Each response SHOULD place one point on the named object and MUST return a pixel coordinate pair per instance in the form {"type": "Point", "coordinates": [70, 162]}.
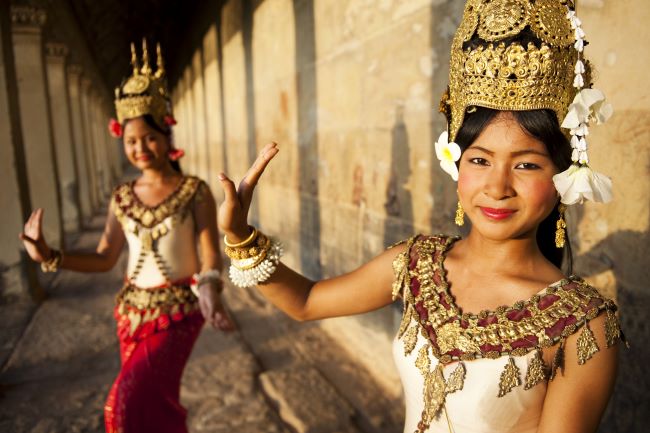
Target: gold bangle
{"type": "Point", "coordinates": [52, 264]}
{"type": "Point", "coordinates": [261, 243]}
{"type": "Point", "coordinates": [243, 243]}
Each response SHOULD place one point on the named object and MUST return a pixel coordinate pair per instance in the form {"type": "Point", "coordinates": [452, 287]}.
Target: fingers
{"type": "Point", "coordinates": [265, 156]}
{"type": "Point", "coordinates": [223, 322]}
{"type": "Point", "coordinates": [229, 189]}
{"type": "Point", "coordinates": [23, 237]}
{"type": "Point", "coordinates": [247, 185]}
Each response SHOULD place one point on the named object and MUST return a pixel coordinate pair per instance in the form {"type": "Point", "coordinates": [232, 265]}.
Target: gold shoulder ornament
{"type": "Point", "coordinates": [451, 336]}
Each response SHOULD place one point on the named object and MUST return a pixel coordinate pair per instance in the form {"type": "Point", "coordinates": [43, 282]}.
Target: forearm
{"type": "Point", "coordinates": [87, 262]}
{"type": "Point", "coordinates": [289, 291]}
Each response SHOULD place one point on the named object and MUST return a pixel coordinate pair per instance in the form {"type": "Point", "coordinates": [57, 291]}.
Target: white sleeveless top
{"type": "Point", "coordinates": [476, 409]}
{"type": "Point", "coordinates": [161, 239]}
{"type": "Point", "coordinates": [467, 373]}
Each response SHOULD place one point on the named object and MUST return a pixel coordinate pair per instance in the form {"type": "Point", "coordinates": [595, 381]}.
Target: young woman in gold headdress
{"type": "Point", "coordinates": [163, 216]}
{"type": "Point", "coordinates": [494, 336]}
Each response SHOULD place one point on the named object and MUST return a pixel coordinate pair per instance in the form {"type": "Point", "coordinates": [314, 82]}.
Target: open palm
{"type": "Point", "coordinates": [233, 212]}
{"type": "Point", "coordinates": [32, 237]}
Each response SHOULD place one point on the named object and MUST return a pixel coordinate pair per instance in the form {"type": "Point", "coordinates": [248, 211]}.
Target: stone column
{"type": "Point", "coordinates": [200, 143]}
{"type": "Point", "coordinates": [93, 173]}
{"type": "Point", "coordinates": [100, 147]}
{"type": "Point", "coordinates": [63, 136]}
{"type": "Point", "coordinates": [17, 273]}
{"type": "Point", "coordinates": [190, 136]}
{"type": "Point", "coordinates": [81, 149]}
{"type": "Point", "coordinates": [35, 118]}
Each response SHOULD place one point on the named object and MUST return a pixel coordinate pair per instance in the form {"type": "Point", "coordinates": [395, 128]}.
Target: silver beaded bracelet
{"type": "Point", "coordinates": [259, 273]}
{"type": "Point", "coordinates": [212, 275]}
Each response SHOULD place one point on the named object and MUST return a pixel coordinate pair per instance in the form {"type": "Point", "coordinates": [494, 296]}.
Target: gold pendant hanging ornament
{"type": "Point", "coordinates": [536, 371]}
{"type": "Point", "coordinates": [509, 378]}
{"type": "Point", "coordinates": [560, 227]}
{"type": "Point", "coordinates": [460, 215]}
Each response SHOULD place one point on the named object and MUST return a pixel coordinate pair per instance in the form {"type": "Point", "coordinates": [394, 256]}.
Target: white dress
{"type": "Point", "coordinates": [466, 373]}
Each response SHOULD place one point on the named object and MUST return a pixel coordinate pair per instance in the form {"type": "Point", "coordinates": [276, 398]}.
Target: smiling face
{"type": "Point", "coordinates": [145, 147]}
{"type": "Point", "coordinates": [505, 181]}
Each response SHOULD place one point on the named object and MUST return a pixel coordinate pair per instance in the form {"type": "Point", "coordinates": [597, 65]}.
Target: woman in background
{"type": "Point", "coordinates": [163, 216]}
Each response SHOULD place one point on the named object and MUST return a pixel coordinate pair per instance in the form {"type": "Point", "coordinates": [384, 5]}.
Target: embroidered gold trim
{"type": "Point", "coordinates": [126, 205]}
{"type": "Point", "coordinates": [544, 320]}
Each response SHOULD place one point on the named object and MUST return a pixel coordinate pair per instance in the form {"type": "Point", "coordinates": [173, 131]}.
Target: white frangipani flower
{"type": "Point", "coordinates": [448, 153]}
{"type": "Point", "coordinates": [588, 104]}
{"type": "Point", "coordinates": [579, 183]}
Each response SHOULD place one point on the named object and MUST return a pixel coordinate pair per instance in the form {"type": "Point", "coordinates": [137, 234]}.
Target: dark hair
{"type": "Point", "coordinates": [167, 131]}
{"type": "Point", "coordinates": [544, 126]}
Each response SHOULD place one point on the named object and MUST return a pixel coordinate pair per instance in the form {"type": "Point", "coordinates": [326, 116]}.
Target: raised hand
{"type": "Point", "coordinates": [233, 212]}
{"type": "Point", "coordinates": [32, 237]}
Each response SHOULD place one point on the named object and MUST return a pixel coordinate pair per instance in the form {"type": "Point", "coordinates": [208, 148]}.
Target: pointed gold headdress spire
{"type": "Point", "coordinates": [134, 60]}
{"type": "Point", "coordinates": [160, 64]}
{"type": "Point", "coordinates": [146, 69]}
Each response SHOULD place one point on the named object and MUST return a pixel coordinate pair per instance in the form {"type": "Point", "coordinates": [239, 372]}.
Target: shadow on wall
{"type": "Point", "coordinates": [303, 12]}
{"type": "Point", "coordinates": [399, 203]}
{"type": "Point", "coordinates": [622, 253]}
{"type": "Point", "coordinates": [248, 8]}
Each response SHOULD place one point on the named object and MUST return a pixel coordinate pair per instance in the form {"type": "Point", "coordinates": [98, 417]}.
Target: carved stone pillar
{"type": "Point", "coordinates": [94, 175]}
{"type": "Point", "coordinates": [36, 126]}
{"type": "Point", "coordinates": [100, 145]}
{"type": "Point", "coordinates": [17, 272]}
{"type": "Point", "coordinates": [55, 60]}
{"type": "Point", "coordinates": [81, 146]}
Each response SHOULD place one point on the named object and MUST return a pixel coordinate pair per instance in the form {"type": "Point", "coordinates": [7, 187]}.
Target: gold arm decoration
{"type": "Point", "coordinates": [52, 264]}
{"type": "Point", "coordinates": [253, 260]}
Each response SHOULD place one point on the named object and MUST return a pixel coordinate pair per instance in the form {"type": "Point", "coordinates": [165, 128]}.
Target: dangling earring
{"type": "Point", "coordinates": [560, 227]}
{"type": "Point", "coordinates": [460, 215]}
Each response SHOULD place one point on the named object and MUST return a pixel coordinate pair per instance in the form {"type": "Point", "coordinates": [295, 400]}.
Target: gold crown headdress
{"type": "Point", "coordinates": [145, 91]}
{"type": "Point", "coordinates": [502, 75]}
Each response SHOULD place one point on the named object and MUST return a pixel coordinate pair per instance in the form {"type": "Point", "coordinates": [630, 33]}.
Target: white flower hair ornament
{"type": "Point", "coordinates": [448, 153]}
{"type": "Point", "coordinates": [579, 182]}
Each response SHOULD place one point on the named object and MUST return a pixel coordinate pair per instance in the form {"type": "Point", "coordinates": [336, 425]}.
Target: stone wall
{"type": "Point", "coordinates": [350, 90]}
{"type": "Point", "coordinates": [55, 149]}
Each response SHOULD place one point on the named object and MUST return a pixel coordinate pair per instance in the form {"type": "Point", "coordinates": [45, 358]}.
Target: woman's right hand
{"type": "Point", "coordinates": [233, 212]}
{"type": "Point", "coordinates": [32, 237]}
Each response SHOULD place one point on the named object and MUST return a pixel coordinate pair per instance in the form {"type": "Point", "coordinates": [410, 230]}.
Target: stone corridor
{"type": "Point", "coordinates": [271, 375]}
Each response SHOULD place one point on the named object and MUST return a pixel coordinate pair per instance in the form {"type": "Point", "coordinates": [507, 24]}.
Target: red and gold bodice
{"type": "Point", "coordinates": [444, 344]}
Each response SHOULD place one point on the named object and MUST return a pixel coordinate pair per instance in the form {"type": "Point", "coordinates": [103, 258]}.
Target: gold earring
{"type": "Point", "coordinates": [460, 215]}
{"type": "Point", "coordinates": [560, 227]}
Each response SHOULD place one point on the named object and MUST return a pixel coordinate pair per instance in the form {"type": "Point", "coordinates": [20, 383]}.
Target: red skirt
{"type": "Point", "coordinates": [155, 343]}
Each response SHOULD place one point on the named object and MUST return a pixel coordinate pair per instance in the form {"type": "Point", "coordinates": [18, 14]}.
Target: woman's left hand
{"type": "Point", "coordinates": [212, 308]}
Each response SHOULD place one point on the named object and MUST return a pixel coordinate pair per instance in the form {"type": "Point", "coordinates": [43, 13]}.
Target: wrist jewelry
{"type": "Point", "coordinates": [258, 246]}
{"type": "Point", "coordinates": [210, 276]}
{"type": "Point", "coordinates": [254, 270]}
{"type": "Point", "coordinates": [249, 240]}
{"type": "Point", "coordinates": [52, 264]}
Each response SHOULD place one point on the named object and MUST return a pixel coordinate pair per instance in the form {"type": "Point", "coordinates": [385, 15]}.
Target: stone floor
{"type": "Point", "coordinates": [271, 375]}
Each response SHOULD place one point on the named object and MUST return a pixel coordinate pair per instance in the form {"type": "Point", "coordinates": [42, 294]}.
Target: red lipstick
{"type": "Point", "coordinates": [497, 214]}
